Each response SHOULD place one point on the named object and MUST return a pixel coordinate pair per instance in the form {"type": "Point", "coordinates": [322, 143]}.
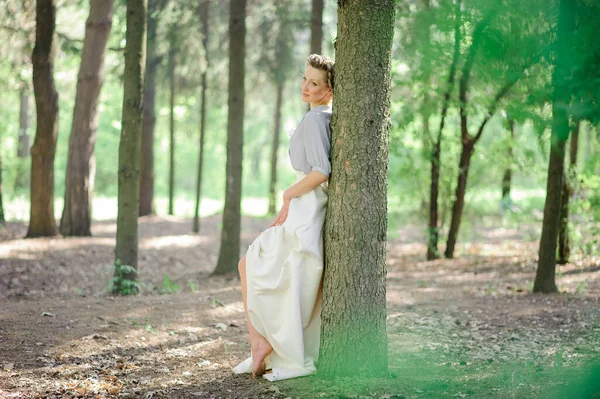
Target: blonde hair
{"type": "Point", "coordinates": [323, 63]}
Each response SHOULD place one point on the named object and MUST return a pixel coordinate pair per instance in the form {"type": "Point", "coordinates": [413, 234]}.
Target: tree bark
{"type": "Point", "coordinates": [230, 232]}
{"type": "Point", "coordinates": [42, 222]}
{"type": "Point", "coordinates": [316, 27]}
{"type": "Point", "coordinates": [149, 115]}
{"type": "Point", "coordinates": [564, 245]}
{"type": "Point", "coordinates": [79, 183]}
{"type": "Point", "coordinates": [23, 149]}
{"type": "Point", "coordinates": [432, 244]}
{"type": "Point", "coordinates": [171, 72]}
{"type": "Point", "coordinates": [126, 251]}
{"type": "Point", "coordinates": [205, 8]}
{"type": "Point", "coordinates": [507, 177]}
{"type": "Point", "coordinates": [353, 333]}
{"type": "Point", "coordinates": [275, 149]}
{"type": "Point", "coordinates": [2, 218]}
{"type": "Point", "coordinates": [545, 277]}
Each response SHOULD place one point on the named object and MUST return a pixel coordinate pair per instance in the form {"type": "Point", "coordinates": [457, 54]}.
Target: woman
{"type": "Point", "coordinates": [281, 272]}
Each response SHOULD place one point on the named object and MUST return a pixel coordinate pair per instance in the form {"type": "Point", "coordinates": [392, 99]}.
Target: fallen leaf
{"type": "Point", "coordinates": [48, 314]}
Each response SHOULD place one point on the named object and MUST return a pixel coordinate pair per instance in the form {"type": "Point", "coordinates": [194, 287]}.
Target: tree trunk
{"type": "Point", "coordinates": [42, 222]}
{"type": "Point", "coordinates": [149, 114]}
{"type": "Point", "coordinates": [171, 72]}
{"type": "Point", "coordinates": [507, 177]}
{"type": "Point", "coordinates": [79, 182]}
{"type": "Point", "coordinates": [275, 149]}
{"type": "Point", "coordinates": [23, 149]}
{"type": "Point", "coordinates": [2, 218]}
{"type": "Point", "coordinates": [353, 333]}
{"type": "Point", "coordinates": [564, 245]}
{"type": "Point", "coordinates": [204, 21]}
{"type": "Point", "coordinates": [230, 233]}
{"type": "Point", "coordinates": [126, 251]}
{"type": "Point", "coordinates": [459, 202]}
{"type": "Point", "coordinates": [316, 27]}
{"type": "Point", "coordinates": [432, 244]}
{"type": "Point", "coordinates": [545, 277]}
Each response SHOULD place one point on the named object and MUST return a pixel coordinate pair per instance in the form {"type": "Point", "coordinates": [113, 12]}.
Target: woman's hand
{"type": "Point", "coordinates": [282, 215]}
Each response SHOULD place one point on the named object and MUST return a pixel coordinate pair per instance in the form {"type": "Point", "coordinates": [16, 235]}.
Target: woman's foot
{"type": "Point", "coordinates": [260, 350]}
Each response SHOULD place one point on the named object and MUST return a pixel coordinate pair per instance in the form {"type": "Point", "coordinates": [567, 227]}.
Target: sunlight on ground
{"type": "Point", "coordinates": [179, 241]}
{"type": "Point", "coordinates": [105, 208]}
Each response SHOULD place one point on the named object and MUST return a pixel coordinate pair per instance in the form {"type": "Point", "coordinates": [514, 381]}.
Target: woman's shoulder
{"type": "Point", "coordinates": [322, 112]}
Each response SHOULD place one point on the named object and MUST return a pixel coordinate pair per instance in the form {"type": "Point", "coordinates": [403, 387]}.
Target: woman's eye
{"type": "Point", "coordinates": [314, 84]}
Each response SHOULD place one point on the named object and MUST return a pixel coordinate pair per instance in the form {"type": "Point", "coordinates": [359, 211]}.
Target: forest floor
{"type": "Point", "coordinates": [465, 327]}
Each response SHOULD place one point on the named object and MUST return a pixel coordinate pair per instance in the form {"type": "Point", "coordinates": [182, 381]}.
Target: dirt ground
{"type": "Point", "coordinates": [62, 335]}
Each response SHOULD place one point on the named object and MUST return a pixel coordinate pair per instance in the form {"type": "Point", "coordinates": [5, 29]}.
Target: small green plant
{"type": "Point", "coordinates": [192, 286]}
{"type": "Point", "coordinates": [490, 289]}
{"type": "Point", "coordinates": [148, 327]}
{"type": "Point", "coordinates": [120, 284]}
{"type": "Point", "coordinates": [581, 287]}
{"type": "Point", "coordinates": [170, 287]}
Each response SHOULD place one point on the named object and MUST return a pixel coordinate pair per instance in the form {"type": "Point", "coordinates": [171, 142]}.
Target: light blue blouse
{"type": "Point", "coordinates": [310, 143]}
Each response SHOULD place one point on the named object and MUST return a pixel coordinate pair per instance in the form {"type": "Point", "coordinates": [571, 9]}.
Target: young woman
{"type": "Point", "coordinates": [281, 272]}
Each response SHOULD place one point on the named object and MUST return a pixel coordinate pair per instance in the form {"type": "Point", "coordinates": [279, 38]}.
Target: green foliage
{"type": "Point", "coordinates": [120, 284]}
{"type": "Point", "coordinates": [169, 287]}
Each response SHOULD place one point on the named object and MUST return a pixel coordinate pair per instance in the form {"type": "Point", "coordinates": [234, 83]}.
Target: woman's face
{"type": "Point", "coordinates": [315, 90]}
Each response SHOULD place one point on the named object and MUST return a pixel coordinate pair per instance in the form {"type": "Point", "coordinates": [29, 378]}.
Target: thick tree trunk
{"type": "Point", "coordinates": [545, 277]}
{"type": "Point", "coordinates": [316, 27]}
{"type": "Point", "coordinates": [149, 114]}
{"type": "Point", "coordinates": [171, 72]}
{"type": "Point", "coordinates": [507, 177]}
{"type": "Point", "coordinates": [2, 218]}
{"type": "Point", "coordinates": [353, 333]}
{"type": "Point", "coordinates": [42, 222]}
{"type": "Point", "coordinates": [230, 233]}
{"type": "Point", "coordinates": [126, 251]}
{"type": "Point", "coordinates": [459, 202]}
{"type": "Point", "coordinates": [23, 149]}
{"type": "Point", "coordinates": [275, 149]}
{"type": "Point", "coordinates": [79, 183]}
{"type": "Point", "coordinates": [564, 245]}
{"type": "Point", "coordinates": [204, 9]}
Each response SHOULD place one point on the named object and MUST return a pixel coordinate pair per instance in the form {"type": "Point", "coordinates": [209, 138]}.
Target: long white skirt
{"type": "Point", "coordinates": [284, 266]}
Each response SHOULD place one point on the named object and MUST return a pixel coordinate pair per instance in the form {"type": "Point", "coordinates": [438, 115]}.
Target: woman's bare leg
{"type": "Point", "coordinates": [260, 346]}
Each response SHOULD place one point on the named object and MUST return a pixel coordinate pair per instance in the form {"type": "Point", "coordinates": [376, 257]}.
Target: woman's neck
{"type": "Point", "coordinates": [315, 105]}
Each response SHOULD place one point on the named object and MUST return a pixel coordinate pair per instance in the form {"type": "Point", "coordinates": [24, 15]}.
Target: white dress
{"type": "Point", "coordinates": [284, 266]}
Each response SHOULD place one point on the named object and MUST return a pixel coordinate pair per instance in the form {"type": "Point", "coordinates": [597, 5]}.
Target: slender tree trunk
{"type": "Point", "coordinates": [545, 277]}
{"type": "Point", "coordinates": [275, 149]}
{"type": "Point", "coordinates": [205, 8]}
{"type": "Point", "coordinates": [230, 233]}
{"type": "Point", "coordinates": [316, 27]}
{"type": "Point", "coordinates": [507, 177]}
{"type": "Point", "coordinates": [149, 114]}
{"type": "Point", "coordinates": [353, 333]}
{"type": "Point", "coordinates": [126, 251]}
{"type": "Point", "coordinates": [171, 72]}
{"type": "Point", "coordinates": [42, 222]}
{"type": "Point", "coordinates": [79, 183]}
{"type": "Point", "coordinates": [459, 202]}
{"type": "Point", "coordinates": [432, 244]}
{"type": "Point", "coordinates": [23, 149]}
{"type": "Point", "coordinates": [564, 245]}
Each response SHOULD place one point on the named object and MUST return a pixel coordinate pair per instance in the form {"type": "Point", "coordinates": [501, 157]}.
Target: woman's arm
{"type": "Point", "coordinates": [308, 183]}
